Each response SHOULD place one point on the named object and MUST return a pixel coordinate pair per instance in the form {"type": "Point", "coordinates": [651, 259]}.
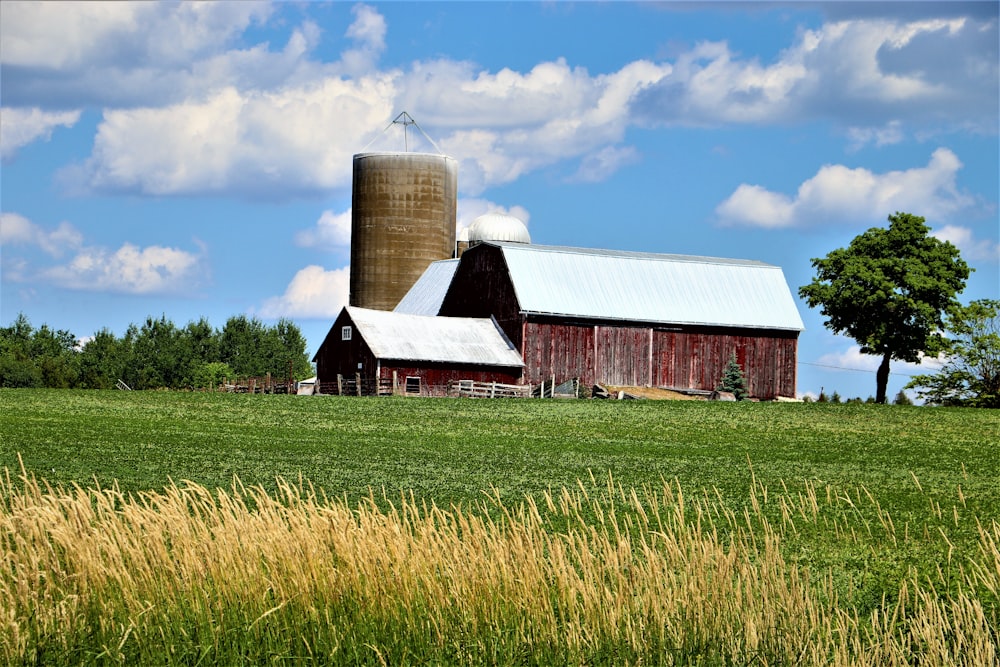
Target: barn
{"type": "Point", "coordinates": [371, 351]}
{"type": "Point", "coordinates": [624, 318]}
{"type": "Point", "coordinates": [488, 305]}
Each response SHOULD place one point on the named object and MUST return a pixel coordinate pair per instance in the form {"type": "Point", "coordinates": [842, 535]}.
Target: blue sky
{"type": "Point", "coordinates": [195, 160]}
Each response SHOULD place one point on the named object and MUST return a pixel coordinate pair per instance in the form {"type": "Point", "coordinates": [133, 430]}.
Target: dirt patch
{"type": "Point", "coordinates": [653, 393]}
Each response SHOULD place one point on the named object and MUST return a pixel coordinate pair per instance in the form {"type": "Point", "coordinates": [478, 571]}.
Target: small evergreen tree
{"type": "Point", "coordinates": [733, 380]}
{"type": "Point", "coordinates": [835, 397]}
{"type": "Point", "coordinates": [902, 399]}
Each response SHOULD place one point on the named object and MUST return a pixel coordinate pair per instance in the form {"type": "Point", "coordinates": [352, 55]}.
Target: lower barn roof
{"type": "Point", "coordinates": [459, 340]}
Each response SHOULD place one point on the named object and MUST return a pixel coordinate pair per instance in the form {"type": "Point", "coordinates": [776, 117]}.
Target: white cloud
{"type": "Point", "coordinates": [76, 36]}
{"type": "Point", "coordinates": [600, 165]}
{"type": "Point", "coordinates": [368, 29]}
{"type": "Point", "coordinates": [15, 229]}
{"type": "Point", "coordinates": [855, 72]}
{"type": "Point", "coordinates": [852, 359]}
{"type": "Point", "coordinates": [128, 270]}
{"type": "Point", "coordinates": [191, 110]}
{"type": "Point", "coordinates": [970, 247]}
{"type": "Point", "coordinates": [300, 138]}
{"type": "Point", "coordinates": [20, 127]}
{"type": "Point", "coordinates": [556, 113]}
{"type": "Point", "coordinates": [261, 144]}
{"type": "Point", "coordinates": [852, 196]}
{"type": "Point", "coordinates": [313, 293]}
{"type": "Point", "coordinates": [142, 54]}
{"type": "Point", "coordinates": [888, 134]}
{"type": "Point", "coordinates": [333, 230]}
{"type": "Point", "coordinates": [755, 206]}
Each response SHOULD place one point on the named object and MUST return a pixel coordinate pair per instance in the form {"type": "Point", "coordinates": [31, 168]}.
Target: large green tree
{"type": "Point", "coordinates": [889, 290]}
{"type": "Point", "coordinates": [971, 374]}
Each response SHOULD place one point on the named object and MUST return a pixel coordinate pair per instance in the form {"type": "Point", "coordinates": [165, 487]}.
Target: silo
{"type": "Point", "coordinates": [402, 219]}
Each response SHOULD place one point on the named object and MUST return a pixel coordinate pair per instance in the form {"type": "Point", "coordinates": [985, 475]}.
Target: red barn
{"type": "Point", "coordinates": [423, 353]}
{"type": "Point", "coordinates": [626, 318]}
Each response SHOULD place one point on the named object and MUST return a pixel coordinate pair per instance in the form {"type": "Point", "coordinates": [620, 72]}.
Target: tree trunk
{"type": "Point", "coordinates": [882, 378]}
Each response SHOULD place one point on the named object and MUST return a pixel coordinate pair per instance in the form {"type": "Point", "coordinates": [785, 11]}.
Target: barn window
{"type": "Point", "coordinates": [412, 385]}
{"type": "Point", "coordinates": [345, 333]}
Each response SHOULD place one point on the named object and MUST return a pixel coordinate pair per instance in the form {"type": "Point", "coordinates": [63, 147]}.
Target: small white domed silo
{"type": "Point", "coordinates": [497, 227]}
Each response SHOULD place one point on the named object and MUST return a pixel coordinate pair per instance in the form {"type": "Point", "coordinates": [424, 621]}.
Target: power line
{"type": "Point", "coordinates": [856, 370]}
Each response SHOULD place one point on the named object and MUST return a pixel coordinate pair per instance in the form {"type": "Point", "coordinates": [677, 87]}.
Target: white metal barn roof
{"type": "Point", "coordinates": [463, 340]}
{"type": "Point", "coordinates": [426, 295]}
{"type": "Point", "coordinates": [647, 287]}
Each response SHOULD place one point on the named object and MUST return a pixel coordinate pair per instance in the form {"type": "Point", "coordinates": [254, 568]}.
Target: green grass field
{"type": "Point", "coordinates": [866, 498]}
{"type": "Point", "coordinates": [452, 450]}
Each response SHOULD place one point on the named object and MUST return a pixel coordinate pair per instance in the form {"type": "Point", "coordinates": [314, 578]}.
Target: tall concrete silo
{"type": "Point", "coordinates": [403, 218]}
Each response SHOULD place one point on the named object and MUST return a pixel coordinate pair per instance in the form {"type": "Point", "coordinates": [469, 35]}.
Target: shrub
{"type": "Point", "coordinates": [733, 380]}
{"type": "Point", "coordinates": [902, 399]}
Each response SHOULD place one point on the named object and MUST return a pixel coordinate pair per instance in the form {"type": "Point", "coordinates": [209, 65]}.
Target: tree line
{"type": "Point", "coordinates": [156, 355]}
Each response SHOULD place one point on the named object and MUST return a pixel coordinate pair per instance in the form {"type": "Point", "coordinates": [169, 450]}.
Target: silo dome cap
{"type": "Point", "coordinates": [498, 227]}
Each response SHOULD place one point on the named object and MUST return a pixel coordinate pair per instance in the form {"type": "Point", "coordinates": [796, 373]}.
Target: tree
{"type": "Point", "coordinates": [253, 349]}
{"type": "Point", "coordinates": [292, 347]}
{"type": "Point", "coordinates": [157, 355]}
{"type": "Point", "coordinates": [902, 399]}
{"type": "Point", "coordinates": [733, 380]}
{"type": "Point", "coordinates": [103, 361]}
{"type": "Point", "coordinates": [240, 345]}
{"type": "Point", "coordinates": [971, 374]}
{"type": "Point", "coordinates": [56, 355]}
{"type": "Point", "coordinates": [889, 290]}
{"type": "Point", "coordinates": [37, 358]}
{"type": "Point", "coordinates": [199, 345]}
{"type": "Point", "coordinates": [17, 367]}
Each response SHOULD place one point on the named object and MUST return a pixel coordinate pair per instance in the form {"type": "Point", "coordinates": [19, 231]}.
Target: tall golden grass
{"type": "Point", "coordinates": [593, 574]}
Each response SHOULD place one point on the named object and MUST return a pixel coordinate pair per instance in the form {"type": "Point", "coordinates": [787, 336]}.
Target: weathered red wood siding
{"type": "Point", "coordinates": [647, 356]}
{"type": "Point", "coordinates": [696, 359]}
{"type": "Point", "coordinates": [623, 355]}
{"type": "Point", "coordinates": [557, 349]}
{"type": "Point", "coordinates": [434, 377]}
